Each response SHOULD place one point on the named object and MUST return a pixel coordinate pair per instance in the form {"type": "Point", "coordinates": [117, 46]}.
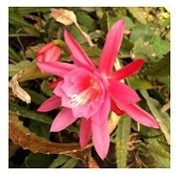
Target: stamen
{"type": "Point", "coordinates": [85, 96]}
{"type": "Point", "coordinates": [78, 99]}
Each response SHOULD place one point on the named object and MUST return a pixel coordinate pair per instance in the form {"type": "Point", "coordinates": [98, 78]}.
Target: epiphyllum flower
{"type": "Point", "coordinates": [91, 93]}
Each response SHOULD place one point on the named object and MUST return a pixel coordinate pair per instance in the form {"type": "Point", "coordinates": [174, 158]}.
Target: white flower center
{"type": "Point", "coordinates": [87, 95]}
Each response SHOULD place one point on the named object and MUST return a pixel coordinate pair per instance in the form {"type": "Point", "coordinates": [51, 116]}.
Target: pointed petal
{"type": "Point", "coordinates": [62, 120]}
{"type": "Point", "coordinates": [140, 115]}
{"type": "Point", "coordinates": [116, 109]}
{"type": "Point", "coordinates": [102, 114]}
{"type": "Point", "coordinates": [58, 90]}
{"type": "Point", "coordinates": [111, 47]}
{"type": "Point", "coordinates": [85, 132]}
{"type": "Point", "coordinates": [78, 54]}
{"type": "Point", "coordinates": [121, 92]}
{"type": "Point", "coordinates": [50, 104]}
{"type": "Point", "coordinates": [100, 137]}
{"type": "Point", "coordinates": [56, 68]}
{"type": "Point", "coordinates": [128, 70]}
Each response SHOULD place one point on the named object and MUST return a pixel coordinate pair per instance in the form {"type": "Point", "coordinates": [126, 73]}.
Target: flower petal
{"type": "Point", "coordinates": [111, 47]}
{"type": "Point", "coordinates": [50, 104]}
{"type": "Point", "coordinates": [116, 109]}
{"type": "Point", "coordinates": [62, 120]}
{"type": "Point", "coordinates": [58, 90]}
{"type": "Point", "coordinates": [49, 52]}
{"type": "Point", "coordinates": [102, 114]}
{"type": "Point", "coordinates": [53, 55]}
{"type": "Point", "coordinates": [128, 70]}
{"type": "Point", "coordinates": [56, 68]}
{"type": "Point", "coordinates": [140, 115]}
{"type": "Point", "coordinates": [121, 92]}
{"type": "Point", "coordinates": [85, 132]}
{"type": "Point", "coordinates": [100, 137]}
{"type": "Point", "coordinates": [78, 55]}
{"type": "Point", "coordinates": [46, 47]}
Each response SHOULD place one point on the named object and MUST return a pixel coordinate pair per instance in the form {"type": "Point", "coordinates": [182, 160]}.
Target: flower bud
{"type": "Point", "coordinates": [48, 53]}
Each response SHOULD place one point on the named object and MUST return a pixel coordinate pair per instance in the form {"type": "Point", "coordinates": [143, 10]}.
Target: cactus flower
{"type": "Point", "coordinates": [91, 93]}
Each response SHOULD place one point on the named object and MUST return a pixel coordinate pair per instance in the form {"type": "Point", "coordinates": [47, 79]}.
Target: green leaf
{"type": "Point", "coordinates": [18, 20]}
{"type": "Point", "coordinates": [99, 12]}
{"type": "Point", "coordinates": [35, 97]}
{"type": "Point", "coordinates": [156, 149]}
{"type": "Point", "coordinates": [14, 55]}
{"type": "Point", "coordinates": [165, 80]}
{"type": "Point", "coordinates": [128, 23]}
{"type": "Point", "coordinates": [35, 160]}
{"type": "Point", "coordinates": [93, 52]}
{"type": "Point", "coordinates": [137, 83]}
{"type": "Point", "coordinates": [161, 68]}
{"type": "Point", "coordinates": [24, 112]}
{"type": "Point", "coordinates": [85, 20]}
{"type": "Point", "coordinates": [138, 14]}
{"type": "Point", "coordinates": [31, 73]}
{"type": "Point", "coordinates": [143, 49]}
{"type": "Point", "coordinates": [126, 47]}
{"type": "Point", "coordinates": [14, 69]}
{"type": "Point", "coordinates": [77, 34]}
{"type": "Point", "coordinates": [161, 47]}
{"type": "Point", "coordinates": [60, 160]}
{"type": "Point", "coordinates": [28, 10]}
{"type": "Point", "coordinates": [162, 118]}
{"type": "Point", "coordinates": [104, 22]}
{"type": "Point", "coordinates": [122, 139]}
{"type": "Point", "coordinates": [41, 129]}
{"type": "Point", "coordinates": [71, 163]}
{"type": "Point", "coordinates": [142, 31]}
{"type": "Point", "coordinates": [45, 88]}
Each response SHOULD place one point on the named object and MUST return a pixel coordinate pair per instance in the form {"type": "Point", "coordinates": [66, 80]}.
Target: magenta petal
{"type": "Point", "coordinates": [46, 47]}
{"type": "Point", "coordinates": [56, 68]}
{"type": "Point", "coordinates": [128, 70]}
{"type": "Point", "coordinates": [111, 47]}
{"type": "Point", "coordinates": [102, 114]}
{"type": "Point", "coordinates": [116, 109]}
{"type": "Point", "coordinates": [53, 54]}
{"type": "Point", "coordinates": [121, 92]}
{"type": "Point", "coordinates": [100, 137]}
{"type": "Point", "coordinates": [50, 104]}
{"type": "Point", "coordinates": [140, 115]}
{"type": "Point", "coordinates": [85, 132]}
{"type": "Point", "coordinates": [58, 90]}
{"type": "Point", "coordinates": [62, 120]}
{"type": "Point", "coordinates": [78, 54]}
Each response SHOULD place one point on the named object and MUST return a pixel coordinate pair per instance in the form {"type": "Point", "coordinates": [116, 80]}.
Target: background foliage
{"type": "Point", "coordinates": [147, 36]}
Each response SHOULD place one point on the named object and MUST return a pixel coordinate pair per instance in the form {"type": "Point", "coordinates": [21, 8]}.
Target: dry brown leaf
{"type": "Point", "coordinates": [63, 16]}
{"type": "Point", "coordinates": [68, 17]}
{"type": "Point", "coordinates": [17, 90]}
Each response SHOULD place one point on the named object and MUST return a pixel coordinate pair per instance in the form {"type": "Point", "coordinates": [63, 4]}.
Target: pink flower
{"type": "Point", "coordinates": [91, 93]}
{"type": "Point", "coordinates": [49, 52]}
